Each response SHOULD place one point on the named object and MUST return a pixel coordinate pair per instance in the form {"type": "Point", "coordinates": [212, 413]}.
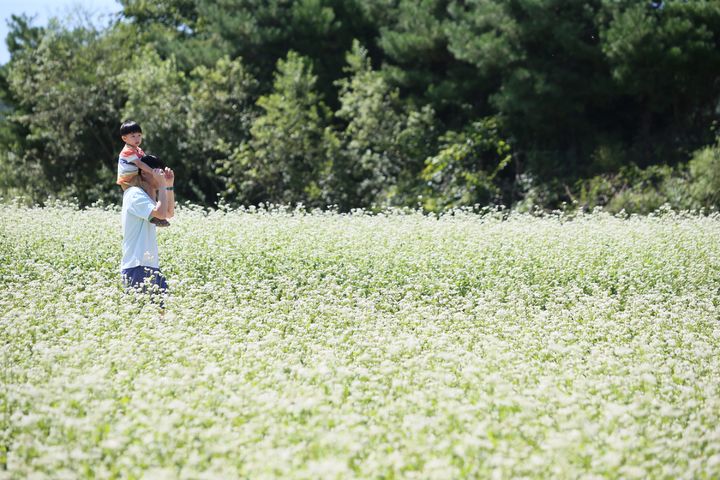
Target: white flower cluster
{"type": "Point", "coordinates": [321, 345]}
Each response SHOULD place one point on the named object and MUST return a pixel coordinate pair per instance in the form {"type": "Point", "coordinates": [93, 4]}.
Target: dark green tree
{"type": "Point", "coordinates": [554, 92]}
{"type": "Point", "coordinates": [23, 36]}
{"type": "Point", "coordinates": [157, 100]}
{"type": "Point", "coordinates": [19, 175]}
{"type": "Point", "coordinates": [263, 31]}
{"type": "Point", "coordinates": [175, 28]}
{"type": "Point", "coordinates": [579, 89]}
{"type": "Point", "coordinates": [221, 111]}
{"type": "Point", "coordinates": [196, 121]}
{"type": "Point", "coordinates": [199, 32]}
{"type": "Point", "coordinates": [665, 63]}
{"type": "Point", "coordinates": [414, 55]}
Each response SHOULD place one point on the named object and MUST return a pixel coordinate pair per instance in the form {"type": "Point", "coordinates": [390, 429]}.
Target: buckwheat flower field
{"type": "Point", "coordinates": [321, 345]}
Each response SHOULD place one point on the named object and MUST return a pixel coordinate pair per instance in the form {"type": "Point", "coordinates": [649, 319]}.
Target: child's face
{"type": "Point", "coordinates": [134, 139]}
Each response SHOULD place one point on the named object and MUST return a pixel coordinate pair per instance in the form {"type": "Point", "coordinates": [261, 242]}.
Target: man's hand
{"type": "Point", "coordinates": [169, 177]}
{"type": "Point", "coordinates": [159, 176]}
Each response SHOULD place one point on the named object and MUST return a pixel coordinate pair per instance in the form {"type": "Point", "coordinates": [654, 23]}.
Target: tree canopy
{"type": "Point", "coordinates": [438, 103]}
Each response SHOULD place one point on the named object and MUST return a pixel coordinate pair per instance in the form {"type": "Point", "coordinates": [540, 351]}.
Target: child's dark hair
{"type": "Point", "coordinates": [129, 127]}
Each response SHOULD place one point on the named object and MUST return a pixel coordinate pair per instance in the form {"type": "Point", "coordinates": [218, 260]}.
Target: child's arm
{"type": "Point", "coordinates": [142, 166]}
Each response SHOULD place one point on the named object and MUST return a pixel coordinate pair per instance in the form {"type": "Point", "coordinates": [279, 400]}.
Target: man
{"type": "Point", "coordinates": [145, 197]}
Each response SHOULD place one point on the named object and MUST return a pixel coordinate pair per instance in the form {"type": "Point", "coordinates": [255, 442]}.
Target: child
{"type": "Point", "coordinates": [130, 159]}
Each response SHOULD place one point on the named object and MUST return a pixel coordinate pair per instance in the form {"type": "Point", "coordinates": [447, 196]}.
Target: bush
{"type": "Point", "coordinates": [463, 171]}
{"type": "Point", "coordinates": [695, 185]}
{"type": "Point", "coordinates": [704, 172]}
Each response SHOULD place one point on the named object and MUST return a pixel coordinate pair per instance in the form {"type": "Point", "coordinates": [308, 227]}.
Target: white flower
{"type": "Point", "coordinates": [321, 345]}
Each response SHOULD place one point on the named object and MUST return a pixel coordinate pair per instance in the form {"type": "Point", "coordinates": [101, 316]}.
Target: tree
{"type": "Point", "coordinates": [383, 141]}
{"type": "Point", "coordinates": [414, 54]}
{"type": "Point", "coordinates": [68, 99]}
{"type": "Point", "coordinates": [553, 94]}
{"type": "Point", "coordinates": [196, 121]}
{"type": "Point", "coordinates": [665, 63]}
{"type": "Point", "coordinates": [175, 28]}
{"type": "Point", "coordinates": [580, 90]}
{"type": "Point", "coordinates": [286, 160]}
{"type": "Point", "coordinates": [263, 31]}
{"type": "Point", "coordinates": [221, 103]}
{"type": "Point", "coordinates": [22, 35]}
{"type": "Point", "coordinates": [18, 175]}
{"type": "Point", "coordinates": [157, 100]}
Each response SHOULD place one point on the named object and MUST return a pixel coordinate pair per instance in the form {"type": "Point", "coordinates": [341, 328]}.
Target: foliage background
{"type": "Point", "coordinates": [526, 103]}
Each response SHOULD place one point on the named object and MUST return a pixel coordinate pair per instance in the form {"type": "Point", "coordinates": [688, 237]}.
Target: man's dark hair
{"type": "Point", "coordinates": [153, 162]}
{"type": "Point", "coordinates": [129, 127]}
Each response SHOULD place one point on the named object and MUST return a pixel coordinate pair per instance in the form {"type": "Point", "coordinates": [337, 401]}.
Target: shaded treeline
{"type": "Point", "coordinates": [375, 102]}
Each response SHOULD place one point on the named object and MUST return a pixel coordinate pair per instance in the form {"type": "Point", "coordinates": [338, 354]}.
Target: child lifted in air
{"type": "Point", "coordinates": [130, 159]}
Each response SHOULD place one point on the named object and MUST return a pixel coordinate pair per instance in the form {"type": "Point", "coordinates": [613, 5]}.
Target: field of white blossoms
{"type": "Point", "coordinates": [321, 345]}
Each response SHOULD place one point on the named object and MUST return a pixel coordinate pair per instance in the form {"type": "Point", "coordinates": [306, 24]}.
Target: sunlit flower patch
{"type": "Point", "coordinates": [321, 345]}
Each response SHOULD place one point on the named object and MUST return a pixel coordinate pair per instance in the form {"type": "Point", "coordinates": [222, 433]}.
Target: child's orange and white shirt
{"type": "Point", "coordinates": [127, 166]}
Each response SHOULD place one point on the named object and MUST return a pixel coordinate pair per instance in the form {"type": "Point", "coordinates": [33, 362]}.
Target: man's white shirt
{"type": "Point", "coordinates": [139, 244]}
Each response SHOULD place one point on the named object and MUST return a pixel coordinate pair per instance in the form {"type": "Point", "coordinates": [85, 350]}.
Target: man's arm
{"type": "Point", "coordinates": [161, 207]}
{"type": "Point", "coordinates": [170, 194]}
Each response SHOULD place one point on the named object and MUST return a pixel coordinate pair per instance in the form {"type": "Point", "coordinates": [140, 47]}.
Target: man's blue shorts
{"type": "Point", "coordinates": [145, 279]}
